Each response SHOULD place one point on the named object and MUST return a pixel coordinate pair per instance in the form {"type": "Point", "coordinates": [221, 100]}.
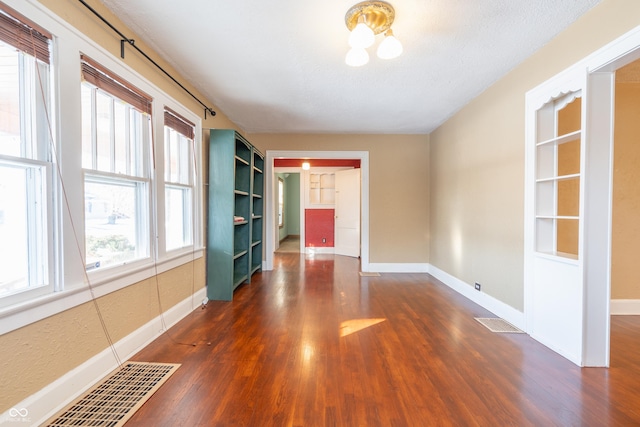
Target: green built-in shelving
{"type": "Point", "coordinates": [235, 213]}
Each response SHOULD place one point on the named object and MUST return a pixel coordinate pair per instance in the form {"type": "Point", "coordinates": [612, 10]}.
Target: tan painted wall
{"type": "Point", "coordinates": [477, 161]}
{"type": "Point", "coordinates": [625, 239]}
{"type": "Point", "coordinates": [398, 187]}
{"type": "Point", "coordinates": [37, 354]}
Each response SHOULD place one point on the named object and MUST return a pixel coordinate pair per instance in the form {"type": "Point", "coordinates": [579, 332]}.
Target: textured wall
{"type": "Point", "coordinates": [38, 354]}
{"type": "Point", "coordinates": [477, 161]}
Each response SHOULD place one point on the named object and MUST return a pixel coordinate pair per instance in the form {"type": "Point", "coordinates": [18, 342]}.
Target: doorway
{"type": "Point", "coordinates": [271, 190]}
{"type": "Point", "coordinates": [288, 196]}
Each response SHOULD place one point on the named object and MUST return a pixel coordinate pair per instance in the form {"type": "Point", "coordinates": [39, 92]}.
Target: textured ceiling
{"type": "Point", "coordinates": [278, 66]}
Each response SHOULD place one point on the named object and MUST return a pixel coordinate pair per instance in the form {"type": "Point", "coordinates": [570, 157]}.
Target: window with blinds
{"type": "Point", "coordinates": [179, 180]}
{"type": "Point", "coordinates": [26, 172]}
{"type": "Point", "coordinates": [116, 140]}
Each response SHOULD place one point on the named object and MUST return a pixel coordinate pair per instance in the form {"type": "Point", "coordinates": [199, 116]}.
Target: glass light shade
{"type": "Point", "coordinates": [362, 36]}
{"type": "Point", "coordinates": [357, 57]}
{"type": "Point", "coordinates": [390, 47]}
{"type": "Point", "coordinates": [306, 166]}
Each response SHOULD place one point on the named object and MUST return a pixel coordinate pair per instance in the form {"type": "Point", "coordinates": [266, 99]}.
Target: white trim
{"type": "Point", "coordinates": [55, 396]}
{"type": "Point", "coordinates": [319, 250]}
{"type": "Point", "coordinates": [19, 315]}
{"type": "Point", "coordinates": [70, 43]}
{"type": "Point", "coordinates": [270, 216]}
{"type": "Point", "coordinates": [497, 307]}
{"type": "Point", "coordinates": [386, 267]}
{"type": "Point", "coordinates": [625, 307]}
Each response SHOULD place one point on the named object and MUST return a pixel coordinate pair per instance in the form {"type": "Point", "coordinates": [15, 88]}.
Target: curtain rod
{"type": "Point", "coordinates": [125, 39]}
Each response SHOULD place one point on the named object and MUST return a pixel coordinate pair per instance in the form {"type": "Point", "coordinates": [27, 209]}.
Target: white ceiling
{"type": "Point", "coordinates": [278, 66]}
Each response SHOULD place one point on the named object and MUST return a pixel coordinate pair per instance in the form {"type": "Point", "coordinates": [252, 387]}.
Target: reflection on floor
{"type": "Point", "coordinates": [290, 244]}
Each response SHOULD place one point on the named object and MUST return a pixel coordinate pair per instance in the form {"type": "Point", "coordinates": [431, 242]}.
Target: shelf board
{"type": "Point", "coordinates": [557, 217]}
{"type": "Point", "coordinates": [559, 256]}
{"type": "Point", "coordinates": [559, 178]}
{"type": "Point", "coordinates": [256, 243]}
{"type": "Point", "coordinates": [240, 222]}
{"type": "Point", "coordinates": [561, 139]}
{"type": "Point", "coordinates": [255, 268]}
{"type": "Point", "coordinates": [239, 254]}
{"type": "Point", "coordinates": [241, 160]}
{"type": "Point", "coordinates": [239, 279]}
{"type": "Point", "coordinates": [241, 193]}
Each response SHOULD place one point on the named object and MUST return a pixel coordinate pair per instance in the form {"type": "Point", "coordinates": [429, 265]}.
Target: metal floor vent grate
{"type": "Point", "coordinates": [116, 398]}
{"type": "Point", "coordinates": [495, 324]}
{"type": "Point", "coordinates": [367, 274]}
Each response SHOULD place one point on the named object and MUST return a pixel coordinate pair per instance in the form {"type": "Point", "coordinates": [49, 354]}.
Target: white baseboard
{"type": "Point", "coordinates": [39, 407]}
{"type": "Point", "coordinates": [395, 268]}
{"type": "Point", "coordinates": [497, 307]}
{"type": "Point", "coordinates": [320, 250]}
{"type": "Point", "coordinates": [625, 307]}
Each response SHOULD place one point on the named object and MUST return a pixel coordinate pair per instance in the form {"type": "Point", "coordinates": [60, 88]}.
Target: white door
{"type": "Point", "coordinates": [347, 212]}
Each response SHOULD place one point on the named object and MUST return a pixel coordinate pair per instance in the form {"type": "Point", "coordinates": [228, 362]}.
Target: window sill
{"type": "Point", "coordinates": [23, 314]}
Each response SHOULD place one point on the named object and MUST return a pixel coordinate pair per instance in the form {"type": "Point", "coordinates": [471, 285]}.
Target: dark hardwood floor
{"type": "Point", "coordinates": [314, 344]}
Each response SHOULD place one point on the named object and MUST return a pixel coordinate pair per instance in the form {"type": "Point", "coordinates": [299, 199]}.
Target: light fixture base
{"type": "Point", "coordinates": [379, 15]}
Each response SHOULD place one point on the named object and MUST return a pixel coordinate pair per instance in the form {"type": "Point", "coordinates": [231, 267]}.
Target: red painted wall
{"type": "Point", "coordinates": [319, 224]}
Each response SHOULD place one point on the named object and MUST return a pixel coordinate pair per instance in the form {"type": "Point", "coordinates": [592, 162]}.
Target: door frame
{"type": "Point", "coordinates": [599, 69]}
{"type": "Point", "coordinates": [270, 213]}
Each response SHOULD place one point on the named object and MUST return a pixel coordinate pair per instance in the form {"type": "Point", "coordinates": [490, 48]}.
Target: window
{"type": "Point", "coordinates": [26, 198]}
{"type": "Point", "coordinates": [116, 120]}
{"type": "Point", "coordinates": [280, 202]}
{"type": "Point", "coordinates": [179, 180]}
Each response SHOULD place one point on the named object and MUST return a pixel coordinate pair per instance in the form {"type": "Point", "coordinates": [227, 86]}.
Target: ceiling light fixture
{"type": "Point", "coordinates": [306, 166]}
{"type": "Point", "coordinates": [365, 20]}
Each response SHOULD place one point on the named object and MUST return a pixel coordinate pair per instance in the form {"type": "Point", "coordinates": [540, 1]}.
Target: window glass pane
{"type": "Point", "coordinates": [185, 159]}
{"type": "Point", "coordinates": [23, 240]}
{"type": "Point", "coordinates": [171, 151]}
{"type": "Point", "coordinates": [177, 217]}
{"type": "Point", "coordinates": [87, 150]}
{"type": "Point", "coordinates": [178, 159]}
{"type": "Point", "coordinates": [103, 117]}
{"type": "Point", "coordinates": [9, 101]}
{"type": "Point", "coordinates": [121, 125]}
{"type": "Point", "coordinates": [111, 231]}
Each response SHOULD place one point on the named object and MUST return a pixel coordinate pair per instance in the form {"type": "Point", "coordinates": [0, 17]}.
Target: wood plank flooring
{"type": "Point", "coordinates": [314, 344]}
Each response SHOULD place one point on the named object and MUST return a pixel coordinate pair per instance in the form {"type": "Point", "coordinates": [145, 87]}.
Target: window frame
{"type": "Point", "coordinates": [280, 202]}
{"type": "Point", "coordinates": [70, 275]}
{"type": "Point", "coordinates": [37, 151]}
{"type": "Point", "coordinates": [103, 83]}
{"type": "Point", "coordinates": [184, 129]}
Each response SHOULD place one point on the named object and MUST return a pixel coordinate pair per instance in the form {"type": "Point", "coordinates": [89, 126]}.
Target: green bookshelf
{"type": "Point", "coordinates": [235, 213]}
